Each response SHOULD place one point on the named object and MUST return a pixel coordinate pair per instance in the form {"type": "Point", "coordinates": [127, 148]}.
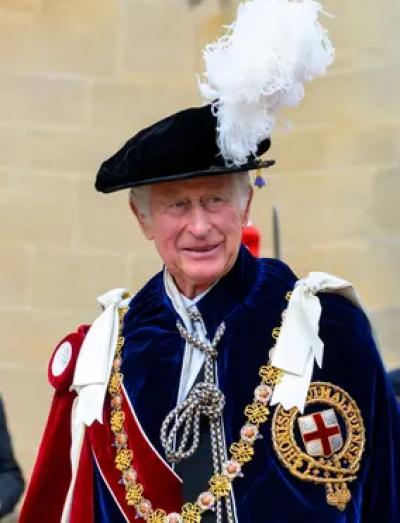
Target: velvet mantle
{"type": "Point", "coordinates": [250, 299]}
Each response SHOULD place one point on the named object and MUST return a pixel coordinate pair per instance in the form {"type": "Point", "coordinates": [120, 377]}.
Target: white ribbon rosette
{"type": "Point", "coordinates": [299, 346]}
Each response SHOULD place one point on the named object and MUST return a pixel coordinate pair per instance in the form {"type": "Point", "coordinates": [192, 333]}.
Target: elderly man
{"type": "Point", "coordinates": [226, 390]}
{"type": "Point", "coordinates": [172, 407]}
{"type": "Point", "coordinates": [196, 226]}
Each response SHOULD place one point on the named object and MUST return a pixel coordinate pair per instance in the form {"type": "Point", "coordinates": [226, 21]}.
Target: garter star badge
{"type": "Point", "coordinates": [325, 445]}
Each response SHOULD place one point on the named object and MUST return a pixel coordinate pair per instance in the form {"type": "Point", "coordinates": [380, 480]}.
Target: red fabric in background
{"type": "Point", "coordinates": [251, 239]}
{"type": "Point", "coordinates": [48, 486]}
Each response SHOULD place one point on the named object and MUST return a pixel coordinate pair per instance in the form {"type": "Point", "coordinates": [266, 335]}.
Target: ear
{"type": "Point", "coordinates": [143, 220]}
{"type": "Point", "coordinates": [246, 212]}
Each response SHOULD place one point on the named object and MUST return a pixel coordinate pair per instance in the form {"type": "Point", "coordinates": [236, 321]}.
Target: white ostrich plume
{"type": "Point", "coordinates": [259, 66]}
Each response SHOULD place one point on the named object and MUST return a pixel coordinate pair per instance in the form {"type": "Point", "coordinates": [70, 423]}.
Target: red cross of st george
{"type": "Point", "coordinates": [322, 433]}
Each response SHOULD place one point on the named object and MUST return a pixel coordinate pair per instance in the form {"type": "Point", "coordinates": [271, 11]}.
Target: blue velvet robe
{"type": "Point", "coordinates": [250, 299]}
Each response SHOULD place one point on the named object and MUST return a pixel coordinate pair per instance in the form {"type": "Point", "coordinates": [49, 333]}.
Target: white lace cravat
{"type": "Point", "coordinates": [193, 359]}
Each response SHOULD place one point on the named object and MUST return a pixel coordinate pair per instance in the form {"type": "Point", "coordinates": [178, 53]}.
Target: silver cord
{"type": "Point", "coordinates": [205, 399]}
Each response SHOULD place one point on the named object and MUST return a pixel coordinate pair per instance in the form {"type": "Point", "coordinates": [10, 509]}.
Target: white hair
{"type": "Point", "coordinates": [243, 188]}
{"type": "Point", "coordinates": [139, 197]}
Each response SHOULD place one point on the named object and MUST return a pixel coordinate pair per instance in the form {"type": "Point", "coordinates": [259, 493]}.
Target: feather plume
{"type": "Point", "coordinates": [260, 65]}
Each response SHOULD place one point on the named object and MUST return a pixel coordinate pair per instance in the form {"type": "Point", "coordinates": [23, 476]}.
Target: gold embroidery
{"type": "Point", "coordinates": [133, 494]}
{"type": "Point", "coordinates": [335, 470]}
{"type": "Point", "coordinates": [242, 452]}
{"type": "Point", "coordinates": [270, 375]}
{"type": "Point", "coordinates": [220, 485]}
{"type": "Point", "coordinates": [158, 516]}
{"type": "Point", "coordinates": [257, 412]}
{"type": "Point", "coordinates": [114, 383]}
{"type": "Point", "coordinates": [117, 421]}
{"type": "Point", "coordinates": [191, 513]}
{"type": "Point", "coordinates": [123, 459]}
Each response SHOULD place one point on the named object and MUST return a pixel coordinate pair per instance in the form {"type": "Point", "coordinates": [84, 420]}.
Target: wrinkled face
{"type": "Point", "coordinates": [196, 226]}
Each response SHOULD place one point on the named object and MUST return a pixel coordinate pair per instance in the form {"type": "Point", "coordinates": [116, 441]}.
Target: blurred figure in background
{"type": "Point", "coordinates": [251, 239]}
{"type": "Point", "coordinates": [394, 377]}
{"type": "Point", "coordinates": [11, 480]}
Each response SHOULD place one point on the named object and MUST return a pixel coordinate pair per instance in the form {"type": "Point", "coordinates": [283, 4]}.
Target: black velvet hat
{"type": "Point", "coordinates": [179, 147]}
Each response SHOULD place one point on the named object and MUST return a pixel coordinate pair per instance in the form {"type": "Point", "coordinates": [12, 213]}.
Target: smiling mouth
{"type": "Point", "coordinates": [203, 249]}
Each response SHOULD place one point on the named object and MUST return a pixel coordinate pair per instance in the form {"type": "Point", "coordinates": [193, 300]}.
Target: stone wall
{"type": "Point", "coordinates": [77, 77]}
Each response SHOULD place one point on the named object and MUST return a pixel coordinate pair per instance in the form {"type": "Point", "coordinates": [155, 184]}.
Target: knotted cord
{"type": "Point", "coordinates": [180, 431]}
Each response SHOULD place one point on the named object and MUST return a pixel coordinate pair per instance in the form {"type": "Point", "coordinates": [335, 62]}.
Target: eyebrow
{"type": "Point", "coordinates": [177, 192]}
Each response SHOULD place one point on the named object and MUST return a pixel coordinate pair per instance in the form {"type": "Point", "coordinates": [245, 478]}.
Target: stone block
{"type": "Point", "coordinates": [56, 101]}
{"type": "Point", "coordinates": [152, 42]}
{"type": "Point", "coordinates": [97, 213]}
{"type": "Point", "coordinates": [71, 281]}
{"type": "Point", "coordinates": [367, 31]}
{"type": "Point", "coordinates": [44, 100]}
{"type": "Point", "coordinates": [143, 265]}
{"type": "Point", "coordinates": [89, 9]}
{"type": "Point", "coordinates": [384, 202]}
{"type": "Point", "coordinates": [387, 325]}
{"type": "Point", "coordinates": [351, 99]}
{"type": "Point", "coordinates": [371, 266]}
{"type": "Point", "coordinates": [302, 148]}
{"type": "Point", "coordinates": [12, 145]}
{"type": "Point", "coordinates": [380, 279]}
{"type": "Point", "coordinates": [49, 43]}
{"type": "Point", "coordinates": [21, 5]}
{"type": "Point", "coordinates": [36, 210]}
{"type": "Point", "coordinates": [85, 45]}
{"type": "Point", "coordinates": [12, 106]}
{"type": "Point", "coordinates": [29, 336]}
{"type": "Point", "coordinates": [341, 31]}
{"type": "Point", "coordinates": [316, 207]}
{"type": "Point", "coordinates": [375, 32]}
{"type": "Point", "coordinates": [135, 105]}
{"type": "Point", "coordinates": [364, 146]}
{"type": "Point", "coordinates": [16, 264]}
{"type": "Point", "coordinates": [19, 45]}
{"type": "Point", "coordinates": [66, 151]}
{"type": "Point", "coordinates": [337, 146]}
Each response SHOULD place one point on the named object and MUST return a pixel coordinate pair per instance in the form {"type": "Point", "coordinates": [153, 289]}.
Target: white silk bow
{"type": "Point", "coordinates": [94, 363]}
{"type": "Point", "coordinates": [299, 345]}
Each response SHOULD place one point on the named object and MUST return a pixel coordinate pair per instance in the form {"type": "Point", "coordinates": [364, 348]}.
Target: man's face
{"type": "Point", "coordinates": [196, 226]}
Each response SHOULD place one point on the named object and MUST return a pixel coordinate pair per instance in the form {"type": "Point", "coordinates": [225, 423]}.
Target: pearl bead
{"type": "Point", "coordinates": [174, 517]}
{"type": "Point", "coordinates": [206, 500]}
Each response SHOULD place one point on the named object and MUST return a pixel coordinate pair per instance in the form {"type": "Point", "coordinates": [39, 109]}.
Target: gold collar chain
{"type": "Point", "coordinates": [241, 451]}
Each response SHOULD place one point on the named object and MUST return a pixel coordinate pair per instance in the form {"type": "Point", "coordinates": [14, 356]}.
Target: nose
{"type": "Point", "coordinates": [198, 222]}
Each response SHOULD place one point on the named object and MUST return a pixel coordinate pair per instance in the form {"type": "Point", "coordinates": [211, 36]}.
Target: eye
{"type": "Point", "coordinates": [178, 204]}
{"type": "Point", "coordinates": [177, 207]}
{"type": "Point", "coordinates": [214, 202]}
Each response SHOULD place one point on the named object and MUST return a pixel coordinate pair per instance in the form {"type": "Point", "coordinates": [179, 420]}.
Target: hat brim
{"type": "Point", "coordinates": [212, 171]}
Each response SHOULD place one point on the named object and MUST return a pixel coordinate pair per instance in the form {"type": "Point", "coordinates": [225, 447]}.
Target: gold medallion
{"type": "Point", "coordinates": [326, 444]}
